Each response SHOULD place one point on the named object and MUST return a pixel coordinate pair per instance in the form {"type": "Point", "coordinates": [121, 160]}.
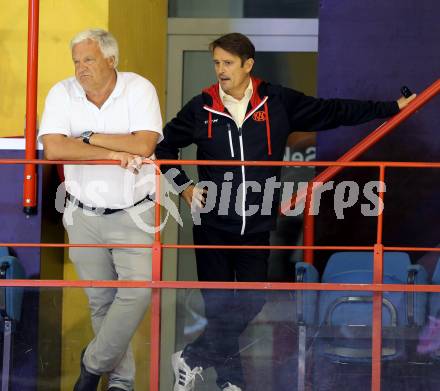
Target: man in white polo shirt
{"type": "Point", "coordinates": [102, 114]}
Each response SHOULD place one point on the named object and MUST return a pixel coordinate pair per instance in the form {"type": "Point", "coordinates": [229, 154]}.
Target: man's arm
{"type": "Point", "coordinates": [308, 113]}
{"type": "Point", "coordinates": [61, 147]}
{"type": "Point", "coordinates": [142, 143]}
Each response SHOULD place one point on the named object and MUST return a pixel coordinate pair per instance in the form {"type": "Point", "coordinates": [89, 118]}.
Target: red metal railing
{"type": "Point", "coordinates": [29, 202]}
{"type": "Point", "coordinates": [30, 172]}
{"type": "Point", "coordinates": [157, 284]}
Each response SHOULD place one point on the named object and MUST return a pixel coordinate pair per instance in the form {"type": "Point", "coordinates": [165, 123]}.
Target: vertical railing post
{"type": "Point", "coordinates": [376, 358]}
{"type": "Point", "coordinates": [156, 293]}
{"type": "Point", "coordinates": [30, 171]}
{"type": "Point", "coordinates": [309, 225]}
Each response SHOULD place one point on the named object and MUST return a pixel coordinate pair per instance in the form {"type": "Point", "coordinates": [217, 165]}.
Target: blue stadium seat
{"type": "Point", "coordinates": [4, 251]}
{"type": "Point", "coordinates": [10, 298]}
{"type": "Point", "coordinates": [348, 315]}
{"type": "Point", "coordinates": [10, 308]}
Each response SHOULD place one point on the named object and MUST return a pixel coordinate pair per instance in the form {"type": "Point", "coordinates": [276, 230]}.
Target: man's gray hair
{"type": "Point", "coordinates": [106, 41]}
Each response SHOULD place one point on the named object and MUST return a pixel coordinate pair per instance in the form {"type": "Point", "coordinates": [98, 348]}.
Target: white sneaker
{"type": "Point", "coordinates": [231, 387]}
{"type": "Point", "coordinates": [185, 376]}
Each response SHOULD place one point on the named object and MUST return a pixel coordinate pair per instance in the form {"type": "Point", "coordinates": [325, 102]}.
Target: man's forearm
{"type": "Point", "coordinates": [140, 143]}
{"type": "Point", "coordinates": [69, 148]}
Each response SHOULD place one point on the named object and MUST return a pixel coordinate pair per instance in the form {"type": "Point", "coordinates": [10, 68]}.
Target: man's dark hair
{"type": "Point", "coordinates": [235, 43]}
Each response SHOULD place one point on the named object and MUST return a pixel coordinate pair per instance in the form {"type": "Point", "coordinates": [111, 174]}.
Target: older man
{"type": "Point", "coordinates": [105, 114]}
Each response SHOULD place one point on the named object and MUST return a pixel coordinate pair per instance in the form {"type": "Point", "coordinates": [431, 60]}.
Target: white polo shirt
{"type": "Point", "coordinates": [132, 106]}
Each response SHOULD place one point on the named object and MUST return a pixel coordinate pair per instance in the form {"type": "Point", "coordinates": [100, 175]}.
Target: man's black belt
{"type": "Point", "coordinates": [103, 211]}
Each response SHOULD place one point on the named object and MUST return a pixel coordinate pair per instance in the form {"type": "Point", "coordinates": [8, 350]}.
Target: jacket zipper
{"type": "Point", "coordinates": [230, 140]}
{"type": "Point", "coordinates": [243, 175]}
{"type": "Point", "coordinates": [243, 187]}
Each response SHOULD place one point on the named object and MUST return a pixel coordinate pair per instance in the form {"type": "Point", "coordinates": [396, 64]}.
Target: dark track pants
{"type": "Point", "coordinates": [228, 312]}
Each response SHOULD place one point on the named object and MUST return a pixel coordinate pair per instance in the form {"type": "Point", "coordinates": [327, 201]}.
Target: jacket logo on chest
{"type": "Point", "coordinates": [259, 116]}
{"type": "Point", "coordinates": [213, 121]}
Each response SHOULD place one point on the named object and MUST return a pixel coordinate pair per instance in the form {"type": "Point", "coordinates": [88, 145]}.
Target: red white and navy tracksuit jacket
{"type": "Point", "coordinates": [273, 113]}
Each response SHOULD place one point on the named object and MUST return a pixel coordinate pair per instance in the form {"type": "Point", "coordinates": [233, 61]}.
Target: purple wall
{"type": "Point", "coordinates": [15, 226]}
{"type": "Point", "coordinates": [368, 50]}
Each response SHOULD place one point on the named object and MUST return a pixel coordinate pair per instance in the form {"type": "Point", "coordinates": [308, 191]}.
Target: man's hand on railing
{"type": "Point", "coordinates": [403, 102]}
{"type": "Point", "coordinates": [132, 163]}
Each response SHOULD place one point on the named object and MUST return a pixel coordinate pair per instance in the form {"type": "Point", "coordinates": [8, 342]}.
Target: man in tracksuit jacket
{"type": "Point", "coordinates": [240, 118]}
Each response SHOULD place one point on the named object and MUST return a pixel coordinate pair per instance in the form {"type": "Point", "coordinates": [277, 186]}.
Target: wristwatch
{"type": "Point", "coordinates": [86, 136]}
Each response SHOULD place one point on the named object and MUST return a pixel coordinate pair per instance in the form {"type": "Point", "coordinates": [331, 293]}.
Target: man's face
{"type": "Point", "coordinates": [92, 70]}
{"type": "Point", "coordinates": [231, 74]}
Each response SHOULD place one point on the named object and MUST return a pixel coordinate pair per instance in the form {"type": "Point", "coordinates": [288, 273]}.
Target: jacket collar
{"type": "Point", "coordinates": [217, 104]}
{"type": "Point", "coordinates": [247, 93]}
